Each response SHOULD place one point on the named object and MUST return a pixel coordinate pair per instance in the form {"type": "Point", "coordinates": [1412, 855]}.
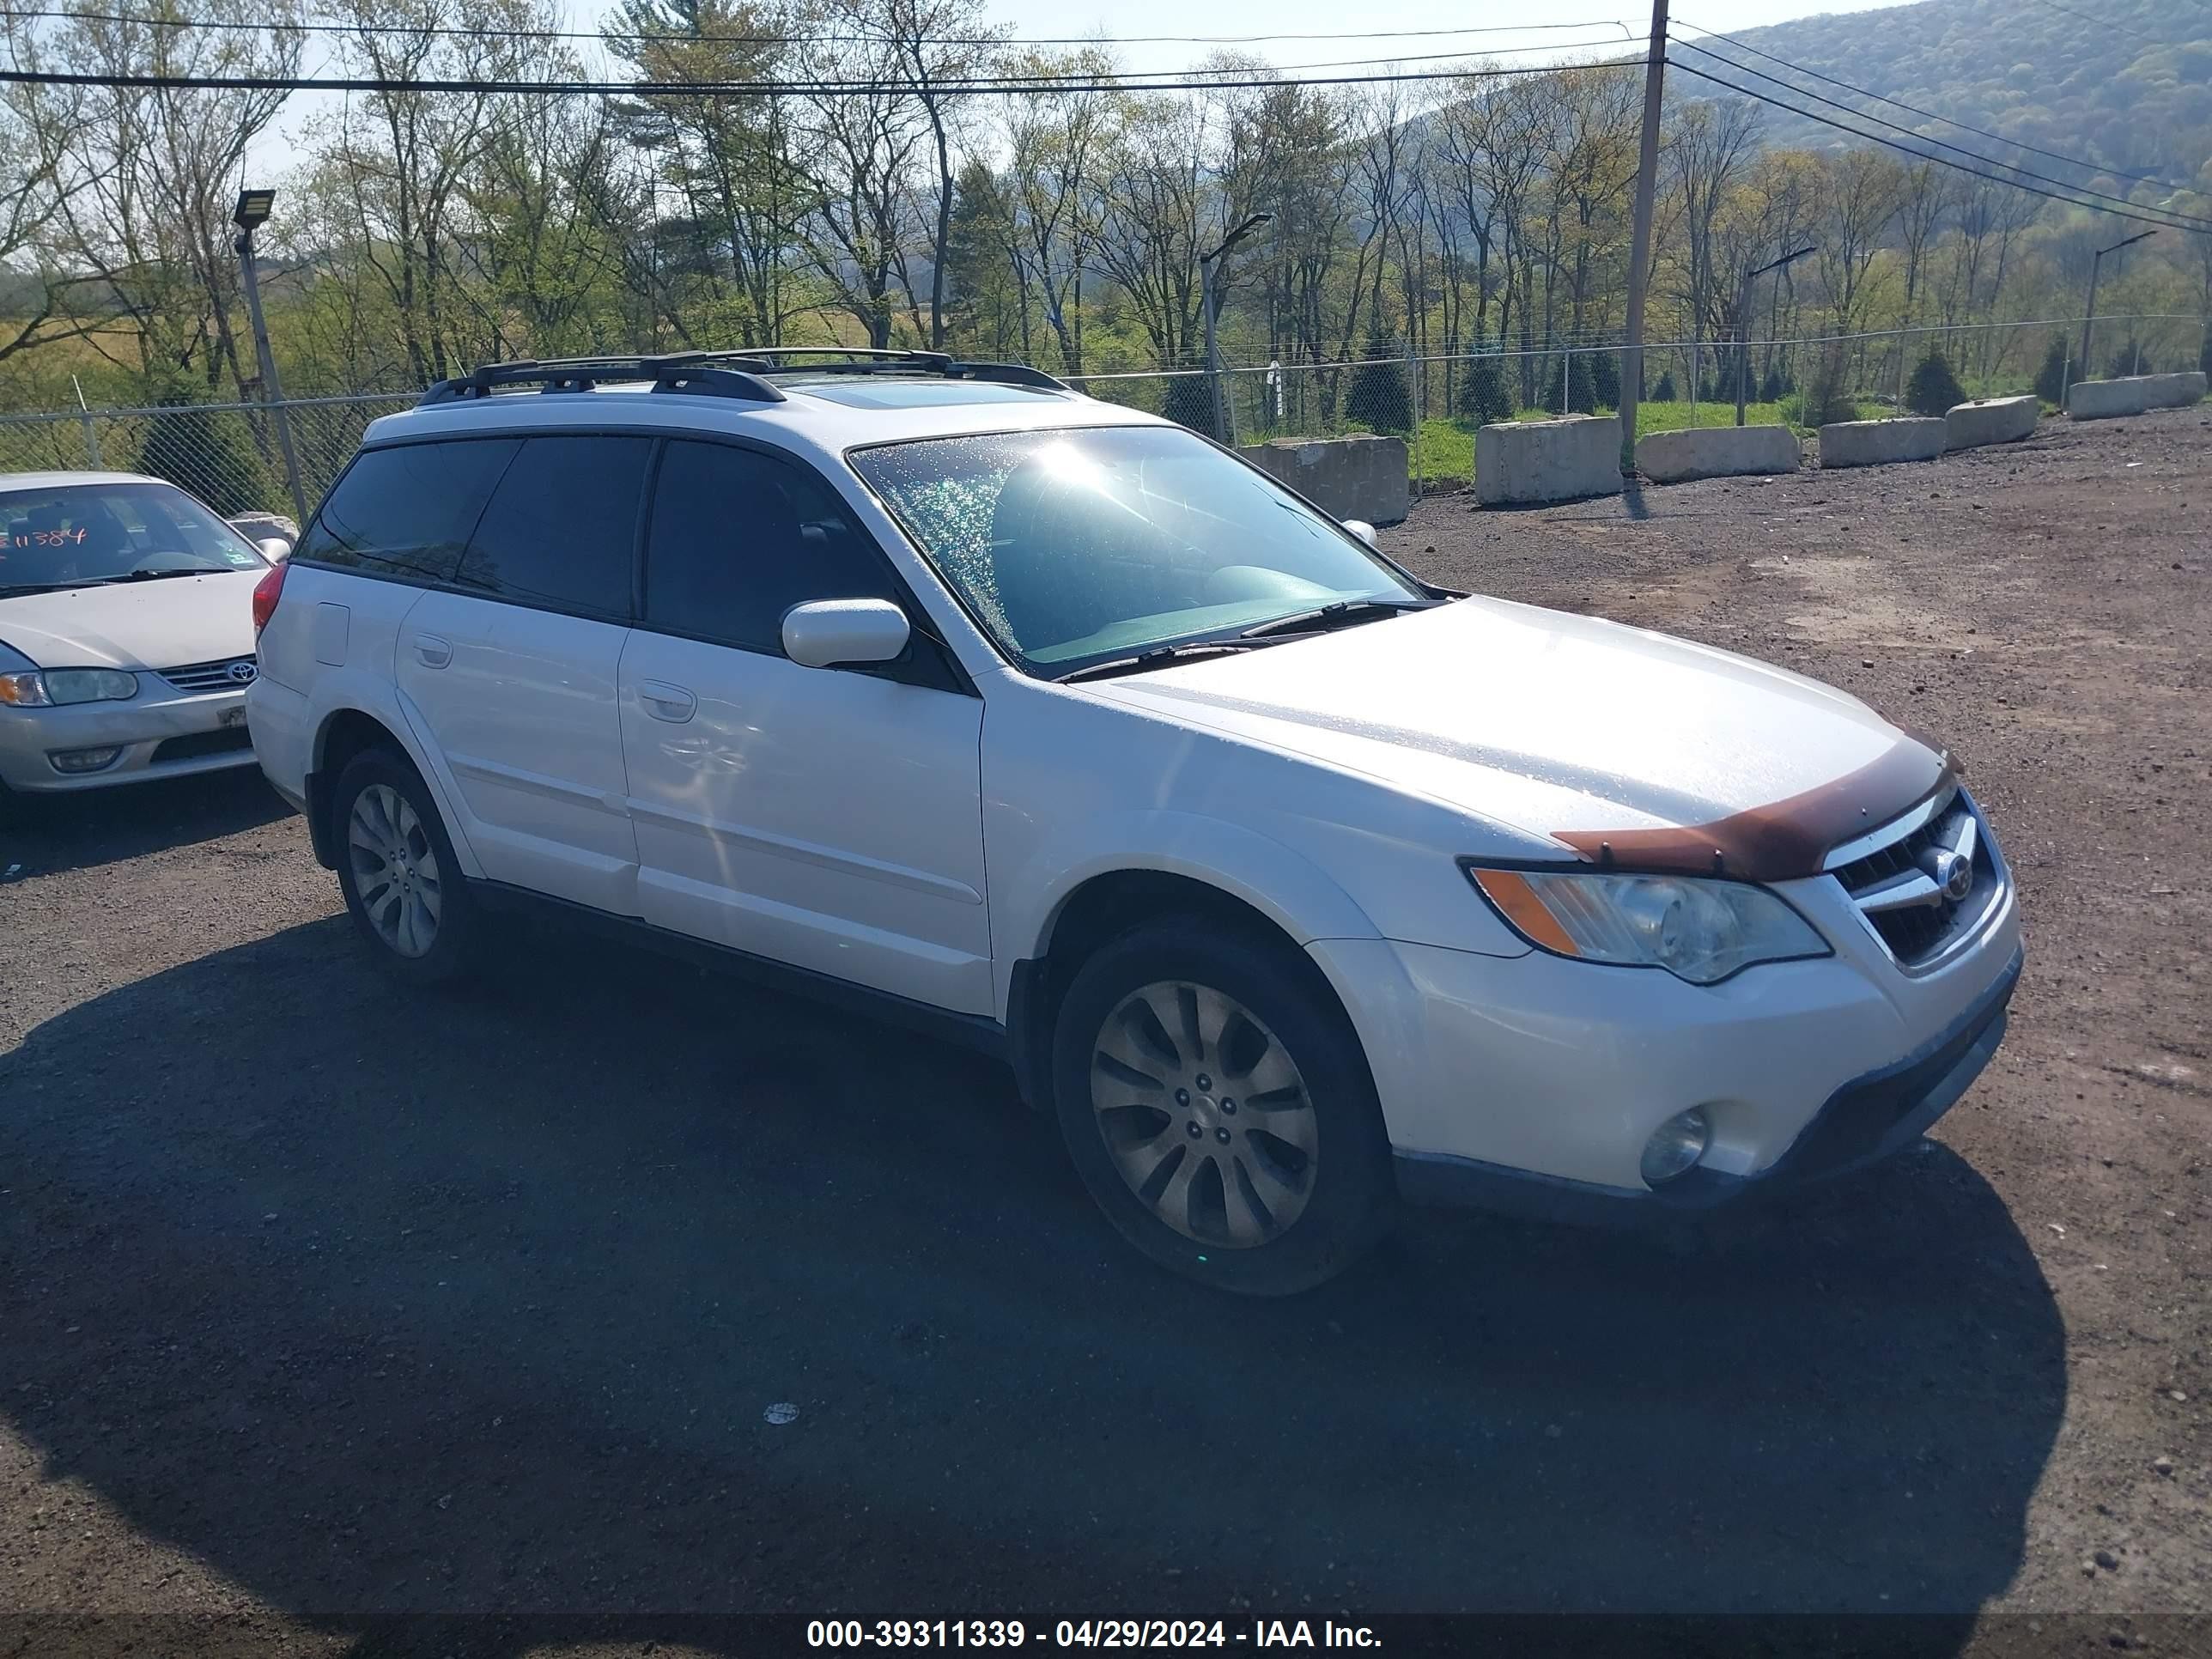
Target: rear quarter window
{"type": "Point", "coordinates": [408, 510]}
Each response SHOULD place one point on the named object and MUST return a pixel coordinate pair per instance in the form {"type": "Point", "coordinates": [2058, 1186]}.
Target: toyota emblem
{"type": "Point", "coordinates": [242, 674]}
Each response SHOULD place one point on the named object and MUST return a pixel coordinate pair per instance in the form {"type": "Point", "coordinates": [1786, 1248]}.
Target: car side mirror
{"type": "Point", "coordinates": [833, 633]}
{"type": "Point", "coordinates": [275, 549]}
{"type": "Point", "coordinates": [1362, 529]}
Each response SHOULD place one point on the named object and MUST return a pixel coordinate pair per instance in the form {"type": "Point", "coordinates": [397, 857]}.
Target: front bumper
{"type": "Point", "coordinates": [1868, 1120]}
{"type": "Point", "coordinates": [162, 733]}
{"type": "Point", "coordinates": [1532, 1083]}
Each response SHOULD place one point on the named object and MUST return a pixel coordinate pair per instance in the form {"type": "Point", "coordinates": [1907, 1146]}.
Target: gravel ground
{"type": "Point", "coordinates": [323, 1304]}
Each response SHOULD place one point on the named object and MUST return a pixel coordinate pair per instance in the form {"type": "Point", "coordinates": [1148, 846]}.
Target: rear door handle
{"type": "Point", "coordinates": [433, 652]}
{"type": "Point", "coordinates": [667, 703]}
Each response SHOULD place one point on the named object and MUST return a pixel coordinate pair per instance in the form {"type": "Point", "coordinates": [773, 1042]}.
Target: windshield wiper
{"type": "Point", "coordinates": [1340, 613]}
{"type": "Point", "coordinates": [155, 575]}
{"type": "Point", "coordinates": [38, 587]}
{"type": "Point", "coordinates": [1159, 656]}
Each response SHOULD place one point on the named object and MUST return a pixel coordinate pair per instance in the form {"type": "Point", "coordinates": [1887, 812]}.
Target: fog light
{"type": "Point", "coordinates": [83, 760]}
{"type": "Point", "coordinates": [1674, 1147]}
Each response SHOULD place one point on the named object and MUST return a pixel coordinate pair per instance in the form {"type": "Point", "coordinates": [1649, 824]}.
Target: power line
{"type": "Point", "coordinates": [1195, 81]}
{"type": "Point", "coordinates": [1927, 114]}
{"type": "Point", "coordinates": [1875, 138]}
{"type": "Point", "coordinates": [1975, 155]}
{"type": "Point", "coordinates": [2103, 22]}
{"type": "Point", "coordinates": [483, 31]}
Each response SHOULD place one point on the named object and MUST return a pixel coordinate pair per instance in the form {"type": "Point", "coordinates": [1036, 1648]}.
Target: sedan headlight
{"type": "Point", "coordinates": [1698, 930]}
{"type": "Point", "coordinates": [44, 688]}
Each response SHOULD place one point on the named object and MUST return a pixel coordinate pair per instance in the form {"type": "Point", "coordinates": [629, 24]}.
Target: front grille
{"type": "Point", "coordinates": [202, 743]}
{"type": "Point", "coordinates": [212, 676]}
{"type": "Point", "coordinates": [1895, 885]}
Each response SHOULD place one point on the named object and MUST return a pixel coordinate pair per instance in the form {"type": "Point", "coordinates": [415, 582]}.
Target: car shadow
{"type": "Point", "coordinates": [385, 1304]}
{"type": "Point", "coordinates": [81, 830]}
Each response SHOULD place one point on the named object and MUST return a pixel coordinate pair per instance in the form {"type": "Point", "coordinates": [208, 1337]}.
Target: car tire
{"type": "Point", "coordinates": [402, 886]}
{"type": "Point", "coordinates": [1265, 1196]}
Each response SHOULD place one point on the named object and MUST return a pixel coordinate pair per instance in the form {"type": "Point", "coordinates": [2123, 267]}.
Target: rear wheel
{"type": "Point", "coordinates": [402, 886]}
{"type": "Point", "coordinates": [1218, 1108]}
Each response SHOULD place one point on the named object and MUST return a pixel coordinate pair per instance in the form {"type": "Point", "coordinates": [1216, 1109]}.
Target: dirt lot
{"type": "Point", "coordinates": [321, 1304]}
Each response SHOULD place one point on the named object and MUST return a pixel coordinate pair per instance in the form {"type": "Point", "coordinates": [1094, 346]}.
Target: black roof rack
{"type": "Point", "coordinates": [741, 374]}
{"type": "Point", "coordinates": [710, 373]}
{"type": "Point", "coordinates": [865, 360]}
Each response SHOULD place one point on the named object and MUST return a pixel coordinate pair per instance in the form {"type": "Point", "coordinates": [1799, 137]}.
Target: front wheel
{"type": "Point", "coordinates": [402, 886]}
{"type": "Point", "coordinates": [1218, 1108]}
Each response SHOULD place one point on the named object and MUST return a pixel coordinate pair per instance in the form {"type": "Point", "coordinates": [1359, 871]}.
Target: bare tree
{"type": "Point", "coordinates": [1058, 142]}
{"type": "Point", "coordinates": [858, 153]}
{"type": "Point", "coordinates": [925, 43]}
{"type": "Point", "coordinates": [1924, 199]}
{"type": "Point", "coordinates": [1149, 235]}
{"type": "Point", "coordinates": [1713, 147]}
{"type": "Point", "coordinates": [708, 234]}
{"type": "Point", "coordinates": [400, 162]}
{"type": "Point", "coordinates": [145, 177]}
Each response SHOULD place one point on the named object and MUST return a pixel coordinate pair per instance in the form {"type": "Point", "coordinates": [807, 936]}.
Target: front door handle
{"type": "Point", "coordinates": [667, 703]}
{"type": "Point", "coordinates": [433, 652]}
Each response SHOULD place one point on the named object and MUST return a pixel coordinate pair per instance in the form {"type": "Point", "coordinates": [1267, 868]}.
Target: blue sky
{"type": "Point", "coordinates": [1120, 20]}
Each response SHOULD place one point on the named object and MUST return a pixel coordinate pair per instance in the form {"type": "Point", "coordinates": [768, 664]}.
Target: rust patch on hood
{"type": "Point", "coordinates": [1787, 840]}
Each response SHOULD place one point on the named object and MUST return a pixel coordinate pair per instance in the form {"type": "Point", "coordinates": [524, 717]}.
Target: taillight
{"type": "Point", "coordinates": [266, 592]}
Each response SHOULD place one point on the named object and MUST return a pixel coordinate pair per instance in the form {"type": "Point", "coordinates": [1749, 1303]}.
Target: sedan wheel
{"type": "Point", "coordinates": [395, 870]}
{"type": "Point", "coordinates": [1204, 1115]}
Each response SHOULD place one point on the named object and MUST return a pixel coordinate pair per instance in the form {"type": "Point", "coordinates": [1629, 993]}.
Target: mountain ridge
{"type": "Point", "coordinates": [2128, 90]}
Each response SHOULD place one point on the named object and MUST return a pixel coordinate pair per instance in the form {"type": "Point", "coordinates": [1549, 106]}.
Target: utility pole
{"type": "Point", "coordinates": [1743, 315]}
{"type": "Point", "coordinates": [1639, 253]}
{"type": "Point", "coordinates": [253, 211]}
{"type": "Point", "coordinates": [1222, 429]}
{"type": "Point", "coordinates": [2089, 316]}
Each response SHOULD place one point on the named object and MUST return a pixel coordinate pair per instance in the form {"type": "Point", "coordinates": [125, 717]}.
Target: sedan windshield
{"type": "Point", "coordinates": [80, 535]}
{"type": "Point", "coordinates": [1076, 545]}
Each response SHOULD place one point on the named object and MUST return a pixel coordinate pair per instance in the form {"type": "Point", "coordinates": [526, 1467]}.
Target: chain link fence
{"type": "Point", "coordinates": [229, 455]}
{"type": "Point", "coordinates": [232, 455]}
{"type": "Point", "coordinates": [1436, 401]}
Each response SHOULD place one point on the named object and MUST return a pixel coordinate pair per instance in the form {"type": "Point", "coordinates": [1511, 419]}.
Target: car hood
{"type": "Point", "coordinates": [1608, 742]}
{"type": "Point", "coordinates": [157, 624]}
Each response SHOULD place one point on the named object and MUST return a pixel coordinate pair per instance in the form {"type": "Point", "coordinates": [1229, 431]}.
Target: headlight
{"type": "Point", "coordinates": [1698, 930]}
{"type": "Point", "coordinates": [42, 688]}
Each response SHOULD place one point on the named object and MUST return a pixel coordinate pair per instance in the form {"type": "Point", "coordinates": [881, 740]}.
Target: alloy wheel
{"type": "Point", "coordinates": [1204, 1114]}
{"type": "Point", "coordinates": [395, 869]}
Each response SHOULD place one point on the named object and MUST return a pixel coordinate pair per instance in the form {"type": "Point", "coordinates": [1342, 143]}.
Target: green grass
{"type": "Point", "coordinates": [1676, 418]}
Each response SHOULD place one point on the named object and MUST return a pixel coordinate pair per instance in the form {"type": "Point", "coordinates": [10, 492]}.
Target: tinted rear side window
{"type": "Point", "coordinates": [561, 528]}
{"type": "Point", "coordinates": [408, 510]}
{"type": "Point", "coordinates": [738, 538]}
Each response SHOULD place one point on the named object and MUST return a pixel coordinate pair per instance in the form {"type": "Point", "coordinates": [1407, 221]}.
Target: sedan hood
{"type": "Point", "coordinates": [1608, 742]}
{"type": "Point", "coordinates": [143, 624]}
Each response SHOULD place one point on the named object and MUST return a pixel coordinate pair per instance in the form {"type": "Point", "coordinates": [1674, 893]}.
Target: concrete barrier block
{"type": "Point", "coordinates": [1990, 421]}
{"type": "Point", "coordinates": [1717, 452]}
{"type": "Point", "coordinates": [2173, 391]}
{"type": "Point", "coordinates": [2098, 400]}
{"type": "Point", "coordinates": [1871, 443]}
{"type": "Point", "coordinates": [1360, 476]}
{"type": "Point", "coordinates": [1558, 460]}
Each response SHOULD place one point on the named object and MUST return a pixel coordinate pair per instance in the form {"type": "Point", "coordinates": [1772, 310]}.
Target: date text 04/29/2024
{"type": "Point", "coordinates": [1086, 1633]}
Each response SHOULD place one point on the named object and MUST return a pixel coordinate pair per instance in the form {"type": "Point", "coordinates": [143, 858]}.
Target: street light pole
{"type": "Point", "coordinates": [1639, 239]}
{"type": "Point", "coordinates": [253, 211]}
{"type": "Point", "coordinates": [1222, 429]}
{"type": "Point", "coordinates": [1743, 320]}
{"type": "Point", "coordinates": [2089, 316]}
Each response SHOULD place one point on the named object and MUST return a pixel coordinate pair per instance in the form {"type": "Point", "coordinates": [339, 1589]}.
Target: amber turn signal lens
{"type": "Point", "coordinates": [1517, 902]}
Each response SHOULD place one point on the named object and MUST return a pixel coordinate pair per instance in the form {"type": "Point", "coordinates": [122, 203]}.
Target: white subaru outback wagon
{"type": "Point", "coordinates": [1290, 883]}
